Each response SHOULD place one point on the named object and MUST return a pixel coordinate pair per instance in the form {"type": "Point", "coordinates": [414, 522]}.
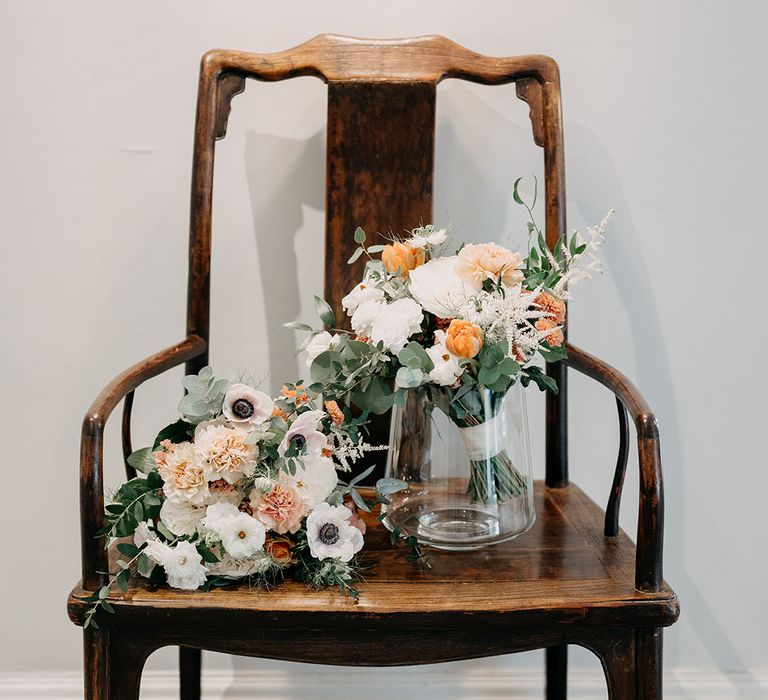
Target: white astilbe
{"type": "Point", "coordinates": [585, 264]}
{"type": "Point", "coordinates": [509, 316]}
{"type": "Point", "coordinates": [345, 452]}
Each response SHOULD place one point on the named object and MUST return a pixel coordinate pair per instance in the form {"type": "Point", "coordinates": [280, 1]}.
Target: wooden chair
{"type": "Point", "coordinates": [575, 578]}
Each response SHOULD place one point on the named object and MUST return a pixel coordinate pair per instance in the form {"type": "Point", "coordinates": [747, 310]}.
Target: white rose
{"type": "Point", "coordinates": [216, 513]}
{"type": "Point", "coordinates": [446, 368]}
{"type": "Point", "coordinates": [439, 289]}
{"type": "Point", "coordinates": [362, 292]}
{"type": "Point", "coordinates": [184, 567]}
{"type": "Point", "coordinates": [242, 535]}
{"type": "Point", "coordinates": [395, 323]}
{"type": "Point", "coordinates": [143, 534]}
{"type": "Point", "coordinates": [320, 343]}
{"type": "Point", "coordinates": [314, 480]}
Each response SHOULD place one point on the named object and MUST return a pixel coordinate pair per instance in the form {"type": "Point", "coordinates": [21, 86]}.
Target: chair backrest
{"type": "Point", "coordinates": [380, 154]}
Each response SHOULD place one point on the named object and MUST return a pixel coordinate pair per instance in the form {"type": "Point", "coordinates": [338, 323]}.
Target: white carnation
{"type": "Point", "coordinates": [361, 292]}
{"type": "Point", "coordinates": [330, 534]}
{"type": "Point", "coordinates": [365, 315]}
{"type": "Point", "coordinates": [438, 288]}
{"type": "Point", "coordinates": [320, 343]}
{"type": "Point", "coordinates": [395, 323]}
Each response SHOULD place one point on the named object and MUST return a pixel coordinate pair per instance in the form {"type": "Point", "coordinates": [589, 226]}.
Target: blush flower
{"type": "Point", "coordinates": [482, 261]}
{"type": "Point", "coordinates": [304, 435]}
{"type": "Point", "coordinates": [463, 339]}
{"type": "Point", "coordinates": [245, 406]}
{"type": "Point", "coordinates": [183, 477]}
{"type": "Point", "coordinates": [224, 452]}
{"type": "Point", "coordinates": [281, 509]}
{"type": "Point", "coordinates": [438, 288]}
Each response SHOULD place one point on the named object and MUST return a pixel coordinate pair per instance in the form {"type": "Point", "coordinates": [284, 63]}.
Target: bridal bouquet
{"type": "Point", "coordinates": [242, 486]}
{"type": "Point", "coordinates": [460, 326]}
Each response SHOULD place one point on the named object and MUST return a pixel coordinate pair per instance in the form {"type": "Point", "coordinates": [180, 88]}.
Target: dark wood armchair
{"type": "Point", "coordinates": [575, 578]}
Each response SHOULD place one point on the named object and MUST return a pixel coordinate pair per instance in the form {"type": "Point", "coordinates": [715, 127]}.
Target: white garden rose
{"type": "Point", "coordinates": [320, 343]}
{"type": "Point", "coordinates": [245, 406]}
{"type": "Point", "coordinates": [361, 292]}
{"type": "Point", "coordinates": [314, 480]}
{"type": "Point", "coordinates": [242, 535]}
{"type": "Point", "coordinates": [182, 518]}
{"type": "Point", "coordinates": [143, 533]}
{"type": "Point", "coordinates": [446, 368]}
{"type": "Point", "coordinates": [330, 534]}
{"type": "Point", "coordinates": [437, 286]}
{"type": "Point", "coordinates": [216, 513]}
{"type": "Point", "coordinates": [395, 323]}
{"type": "Point", "coordinates": [184, 567]}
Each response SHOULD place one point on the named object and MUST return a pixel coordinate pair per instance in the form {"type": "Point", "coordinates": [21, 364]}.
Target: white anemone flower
{"type": "Point", "coordinates": [320, 343]}
{"type": "Point", "coordinates": [303, 433]}
{"type": "Point", "coordinates": [446, 368]}
{"type": "Point", "coordinates": [330, 534]}
{"type": "Point", "coordinates": [182, 518]}
{"type": "Point", "coordinates": [437, 286]}
{"type": "Point", "coordinates": [224, 451]}
{"type": "Point", "coordinates": [314, 480]}
{"type": "Point", "coordinates": [245, 406]}
{"type": "Point", "coordinates": [395, 323]}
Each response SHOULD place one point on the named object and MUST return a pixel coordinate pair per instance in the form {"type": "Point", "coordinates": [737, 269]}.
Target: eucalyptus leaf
{"type": "Point", "coordinates": [359, 235]}
{"type": "Point", "coordinates": [325, 312]}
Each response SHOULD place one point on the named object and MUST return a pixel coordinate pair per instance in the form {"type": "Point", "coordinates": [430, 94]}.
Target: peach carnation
{"type": "Point", "coordinates": [554, 307]}
{"type": "Point", "coordinates": [400, 258]}
{"type": "Point", "coordinates": [555, 337]}
{"type": "Point", "coordinates": [482, 261]}
{"type": "Point", "coordinates": [281, 510]}
{"type": "Point", "coordinates": [463, 339]}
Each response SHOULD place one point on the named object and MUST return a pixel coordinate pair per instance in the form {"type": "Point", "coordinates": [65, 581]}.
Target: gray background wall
{"type": "Point", "coordinates": [665, 122]}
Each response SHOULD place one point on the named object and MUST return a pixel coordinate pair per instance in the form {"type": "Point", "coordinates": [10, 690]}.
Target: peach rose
{"type": "Point", "coordinates": [551, 305]}
{"type": "Point", "coordinates": [463, 339]}
{"type": "Point", "coordinates": [400, 258]}
{"type": "Point", "coordinates": [280, 549]}
{"type": "Point", "coordinates": [482, 261]}
{"type": "Point", "coordinates": [281, 510]}
{"type": "Point", "coordinates": [555, 338]}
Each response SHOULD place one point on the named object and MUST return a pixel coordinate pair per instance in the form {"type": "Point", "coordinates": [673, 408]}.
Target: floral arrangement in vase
{"type": "Point", "coordinates": [457, 326]}
{"type": "Point", "coordinates": [242, 486]}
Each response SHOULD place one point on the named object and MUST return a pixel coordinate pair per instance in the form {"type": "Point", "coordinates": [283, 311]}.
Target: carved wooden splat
{"type": "Point", "coordinates": [229, 86]}
{"type": "Point", "coordinates": [529, 90]}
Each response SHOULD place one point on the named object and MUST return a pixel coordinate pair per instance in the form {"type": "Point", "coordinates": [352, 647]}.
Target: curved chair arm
{"type": "Point", "coordinates": [94, 556]}
{"type": "Point", "coordinates": [650, 524]}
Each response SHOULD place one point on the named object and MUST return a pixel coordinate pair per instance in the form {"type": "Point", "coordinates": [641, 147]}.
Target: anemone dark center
{"type": "Point", "coordinates": [242, 408]}
{"type": "Point", "coordinates": [329, 534]}
{"type": "Point", "coordinates": [298, 441]}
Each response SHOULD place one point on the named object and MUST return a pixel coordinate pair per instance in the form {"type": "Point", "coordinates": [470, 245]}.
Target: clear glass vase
{"type": "Point", "coordinates": [467, 464]}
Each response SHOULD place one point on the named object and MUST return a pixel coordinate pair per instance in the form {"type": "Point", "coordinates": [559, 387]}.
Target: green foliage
{"type": "Point", "coordinates": [205, 395]}
{"type": "Point", "coordinates": [325, 312]}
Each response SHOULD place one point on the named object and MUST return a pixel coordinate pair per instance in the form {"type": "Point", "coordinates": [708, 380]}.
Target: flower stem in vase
{"type": "Point", "coordinates": [493, 477]}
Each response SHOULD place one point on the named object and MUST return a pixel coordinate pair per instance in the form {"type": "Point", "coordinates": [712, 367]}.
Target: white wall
{"type": "Point", "coordinates": [665, 121]}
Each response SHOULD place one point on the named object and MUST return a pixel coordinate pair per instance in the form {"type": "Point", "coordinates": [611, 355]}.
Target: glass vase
{"type": "Point", "coordinates": [466, 460]}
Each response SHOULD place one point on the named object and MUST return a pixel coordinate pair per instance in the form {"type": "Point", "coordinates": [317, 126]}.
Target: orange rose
{"type": "Point", "coordinates": [400, 258]}
{"type": "Point", "coordinates": [551, 305]}
{"type": "Point", "coordinates": [280, 549]}
{"type": "Point", "coordinates": [555, 337]}
{"type": "Point", "coordinates": [463, 339]}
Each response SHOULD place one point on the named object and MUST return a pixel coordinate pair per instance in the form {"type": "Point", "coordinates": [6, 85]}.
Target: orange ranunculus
{"type": "Point", "coordinates": [551, 305]}
{"type": "Point", "coordinates": [280, 549]}
{"type": "Point", "coordinates": [555, 337]}
{"type": "Point", "coordinates": [400, 258]}
{"type": "Point", "coordinates": [463, 339]}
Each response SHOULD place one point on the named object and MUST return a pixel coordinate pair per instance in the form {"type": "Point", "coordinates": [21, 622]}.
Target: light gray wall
{"type": "Point", "coordinates": [665, 121]}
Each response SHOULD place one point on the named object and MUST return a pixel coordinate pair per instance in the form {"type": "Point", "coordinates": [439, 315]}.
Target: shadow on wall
{"type": "Point", "coordinates": [284, 176]}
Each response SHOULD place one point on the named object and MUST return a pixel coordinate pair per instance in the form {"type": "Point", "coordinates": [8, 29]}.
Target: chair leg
{"type": "Point", "coordinates": [95, 664]}
{"type": "Point", "coordinates": [127, 657]}
{"type": "Point", "coordinates": [557, 672]}
{"type": "Point", "coordinates": [190, 661]}
{"type": "Point", "coordinates": [649, 664]}
{"type": "Point", "coordinates": [620, 666]}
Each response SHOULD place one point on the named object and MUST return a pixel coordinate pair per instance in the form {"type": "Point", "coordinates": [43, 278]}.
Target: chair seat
{"type": "Point", "coordinates": [562, 571]}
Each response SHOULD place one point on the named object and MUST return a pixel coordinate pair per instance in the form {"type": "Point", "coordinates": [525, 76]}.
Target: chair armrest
{"type": "Point", "coordinates": [94, 557]}
{"type": "Point", "coordinates": [650, 525]}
